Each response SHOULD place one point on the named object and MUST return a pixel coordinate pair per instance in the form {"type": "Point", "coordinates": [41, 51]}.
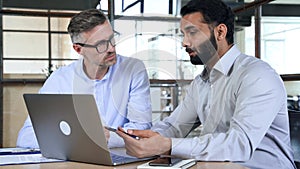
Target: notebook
{"type": "Point", "coordinates": [68, 127]}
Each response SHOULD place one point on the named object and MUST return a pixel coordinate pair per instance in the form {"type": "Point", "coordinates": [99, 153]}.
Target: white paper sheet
{"type": "Point", "coordinates": [25, 159]}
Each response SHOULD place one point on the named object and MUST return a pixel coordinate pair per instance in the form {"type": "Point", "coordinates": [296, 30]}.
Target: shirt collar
{"type": "Point", "coordinates": [81, 72]}
{"type": "Point", "coordinates": [223, 65]}
{"type": "Point", "coordinates": [226, 62]}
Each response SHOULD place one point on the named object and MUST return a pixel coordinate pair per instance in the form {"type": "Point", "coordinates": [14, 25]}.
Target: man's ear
{"type": "Point", "coordinates": [77, 48]}
{"type": "Point", "coordinates": [221, 32]}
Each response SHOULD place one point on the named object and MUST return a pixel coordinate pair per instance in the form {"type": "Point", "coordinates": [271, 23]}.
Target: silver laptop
{"type": "Point", "coordinates": [68, 127]}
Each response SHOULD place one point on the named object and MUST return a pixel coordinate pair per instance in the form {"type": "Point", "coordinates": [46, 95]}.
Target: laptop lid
{"type": "Point", "coordinates": [68, 127]}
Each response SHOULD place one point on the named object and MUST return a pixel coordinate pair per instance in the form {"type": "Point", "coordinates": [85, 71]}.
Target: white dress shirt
{"type": "Point", "coordinates": [122, 96]}
{"type": "Point", "coordinates": [242, 106]}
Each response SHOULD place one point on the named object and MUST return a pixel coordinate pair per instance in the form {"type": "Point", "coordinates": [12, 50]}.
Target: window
{"type": "Point", "coordinates": [279, 47]}
{"type": "Point", "coordinates": [34, 45]}
{"type": "Point", "coordinates": [158, 44]}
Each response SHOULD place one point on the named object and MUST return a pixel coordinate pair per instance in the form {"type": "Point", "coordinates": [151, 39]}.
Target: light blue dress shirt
{"type": "Point", "coordinates": [242, 106]}
{"type": "Point", "coordinates": [122, 96]}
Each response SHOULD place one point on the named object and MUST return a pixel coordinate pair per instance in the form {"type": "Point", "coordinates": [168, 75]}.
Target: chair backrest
{"type": "Point", "coordinates": [294, 118]}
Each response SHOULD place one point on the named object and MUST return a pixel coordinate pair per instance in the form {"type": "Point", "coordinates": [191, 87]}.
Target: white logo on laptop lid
{"type": "Point", "coordinates": [65, 128]}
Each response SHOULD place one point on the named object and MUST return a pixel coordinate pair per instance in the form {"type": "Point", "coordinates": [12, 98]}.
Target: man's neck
{"type": "Point", "coordinates": [219, 54]}
{"type": "Point", "coordinates": [101, 72]}
{"type": "Point", "coordinates": [95, 72]}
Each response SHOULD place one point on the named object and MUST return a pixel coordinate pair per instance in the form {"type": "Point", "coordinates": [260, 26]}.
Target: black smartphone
{"type": "Point", "coordinates": [114, 130]}
{"type": "Point", "coordinates": [165, 161]}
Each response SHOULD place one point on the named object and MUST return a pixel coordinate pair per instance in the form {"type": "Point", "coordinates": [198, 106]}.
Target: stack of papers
{"type": "Point", "coordinates": [14, 151]}
{"type": "Point", "coordinates": [22, 156]}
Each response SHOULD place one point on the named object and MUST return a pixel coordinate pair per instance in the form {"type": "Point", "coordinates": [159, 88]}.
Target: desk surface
{"type": "Point", "coordinates": [75, 165]}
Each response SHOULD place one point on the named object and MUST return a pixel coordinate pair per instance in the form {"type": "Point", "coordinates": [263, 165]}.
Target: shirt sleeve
{"type": "Point", "coordinates": [135, 105]}
{"type": "Point", "coordinates": [139, 104]}
{"type": "Point", "coordinates": [131, 93]}
{"type": "Point", "coordinates": [26, 137]}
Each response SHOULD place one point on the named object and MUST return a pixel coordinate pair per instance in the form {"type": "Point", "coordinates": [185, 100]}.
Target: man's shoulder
{"type": "Point", "coordinates": [66, 69]}
{"type": "Point", "coordinates": [252, 63]}
{"type": "Point", "coordinates": [249, 67]}
{"type": "Point", "coordinates": [129, 62]}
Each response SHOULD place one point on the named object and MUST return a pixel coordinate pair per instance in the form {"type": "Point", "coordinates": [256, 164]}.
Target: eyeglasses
{"type": "Point", "coordinates": [102, 46]}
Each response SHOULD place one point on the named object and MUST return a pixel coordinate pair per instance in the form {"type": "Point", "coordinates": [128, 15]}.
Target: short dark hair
{"type": "Point", "coordinates": [214, 12]}
{"type": "Point", "coordinates": [85, 21]}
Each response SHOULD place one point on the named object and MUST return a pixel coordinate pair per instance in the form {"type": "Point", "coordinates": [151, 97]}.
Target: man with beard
{"type": "Point", "coordinates": [239, 100]}
{"type": "Point", "coordinates": [120, 85]}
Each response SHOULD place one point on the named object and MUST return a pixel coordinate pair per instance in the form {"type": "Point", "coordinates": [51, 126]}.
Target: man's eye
{"type": "Point", "coordinates": [192, 33]}
{"type": "Point", "coordinates": [101, 43]}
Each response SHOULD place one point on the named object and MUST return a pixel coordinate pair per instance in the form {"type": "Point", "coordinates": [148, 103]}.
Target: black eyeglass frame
{"type": "Point", "coordinates": [102, 42]}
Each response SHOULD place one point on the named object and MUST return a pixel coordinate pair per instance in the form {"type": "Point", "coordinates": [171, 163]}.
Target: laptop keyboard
{"type": "Point", "coordinates": [122, 159]}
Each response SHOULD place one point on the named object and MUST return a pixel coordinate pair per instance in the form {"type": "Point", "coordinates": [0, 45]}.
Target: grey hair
{"type": "Point", "coordinates": [85, 21]}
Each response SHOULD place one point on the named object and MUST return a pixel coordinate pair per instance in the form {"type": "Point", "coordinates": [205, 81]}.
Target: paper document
{"type": "Point", "coordinates": [17, 150]}
{"type": "Point", "coordinates": [25, 159]}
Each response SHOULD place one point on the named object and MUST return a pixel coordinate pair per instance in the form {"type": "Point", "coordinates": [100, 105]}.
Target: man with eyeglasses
{"type": "Point", "coordinates": [119, 84]}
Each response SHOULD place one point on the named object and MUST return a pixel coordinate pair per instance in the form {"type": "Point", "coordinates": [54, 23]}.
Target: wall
{"type": "Point", "coordinates": [14, 110]}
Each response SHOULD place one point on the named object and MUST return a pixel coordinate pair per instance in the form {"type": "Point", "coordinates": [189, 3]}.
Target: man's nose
{"type": "Point", "coordinates": [110, 47]}
{"type": "Point", "coordinates": [185, 42]}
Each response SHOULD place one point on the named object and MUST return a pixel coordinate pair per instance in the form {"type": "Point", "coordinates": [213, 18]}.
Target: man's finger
{"type": "Point", "coordinates": [121, 133]}
{"type": "Point", "coordinates": [142, 133]}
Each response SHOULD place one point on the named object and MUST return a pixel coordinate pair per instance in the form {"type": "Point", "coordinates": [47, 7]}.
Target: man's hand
{"type": "Point", "coordinates": [142, 133]}
{"type": "Point", "coordinates": [149, 144]}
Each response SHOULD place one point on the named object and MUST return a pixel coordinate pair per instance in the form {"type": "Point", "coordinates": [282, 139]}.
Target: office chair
{"type": "Point", "coordinates": [294, 119]}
